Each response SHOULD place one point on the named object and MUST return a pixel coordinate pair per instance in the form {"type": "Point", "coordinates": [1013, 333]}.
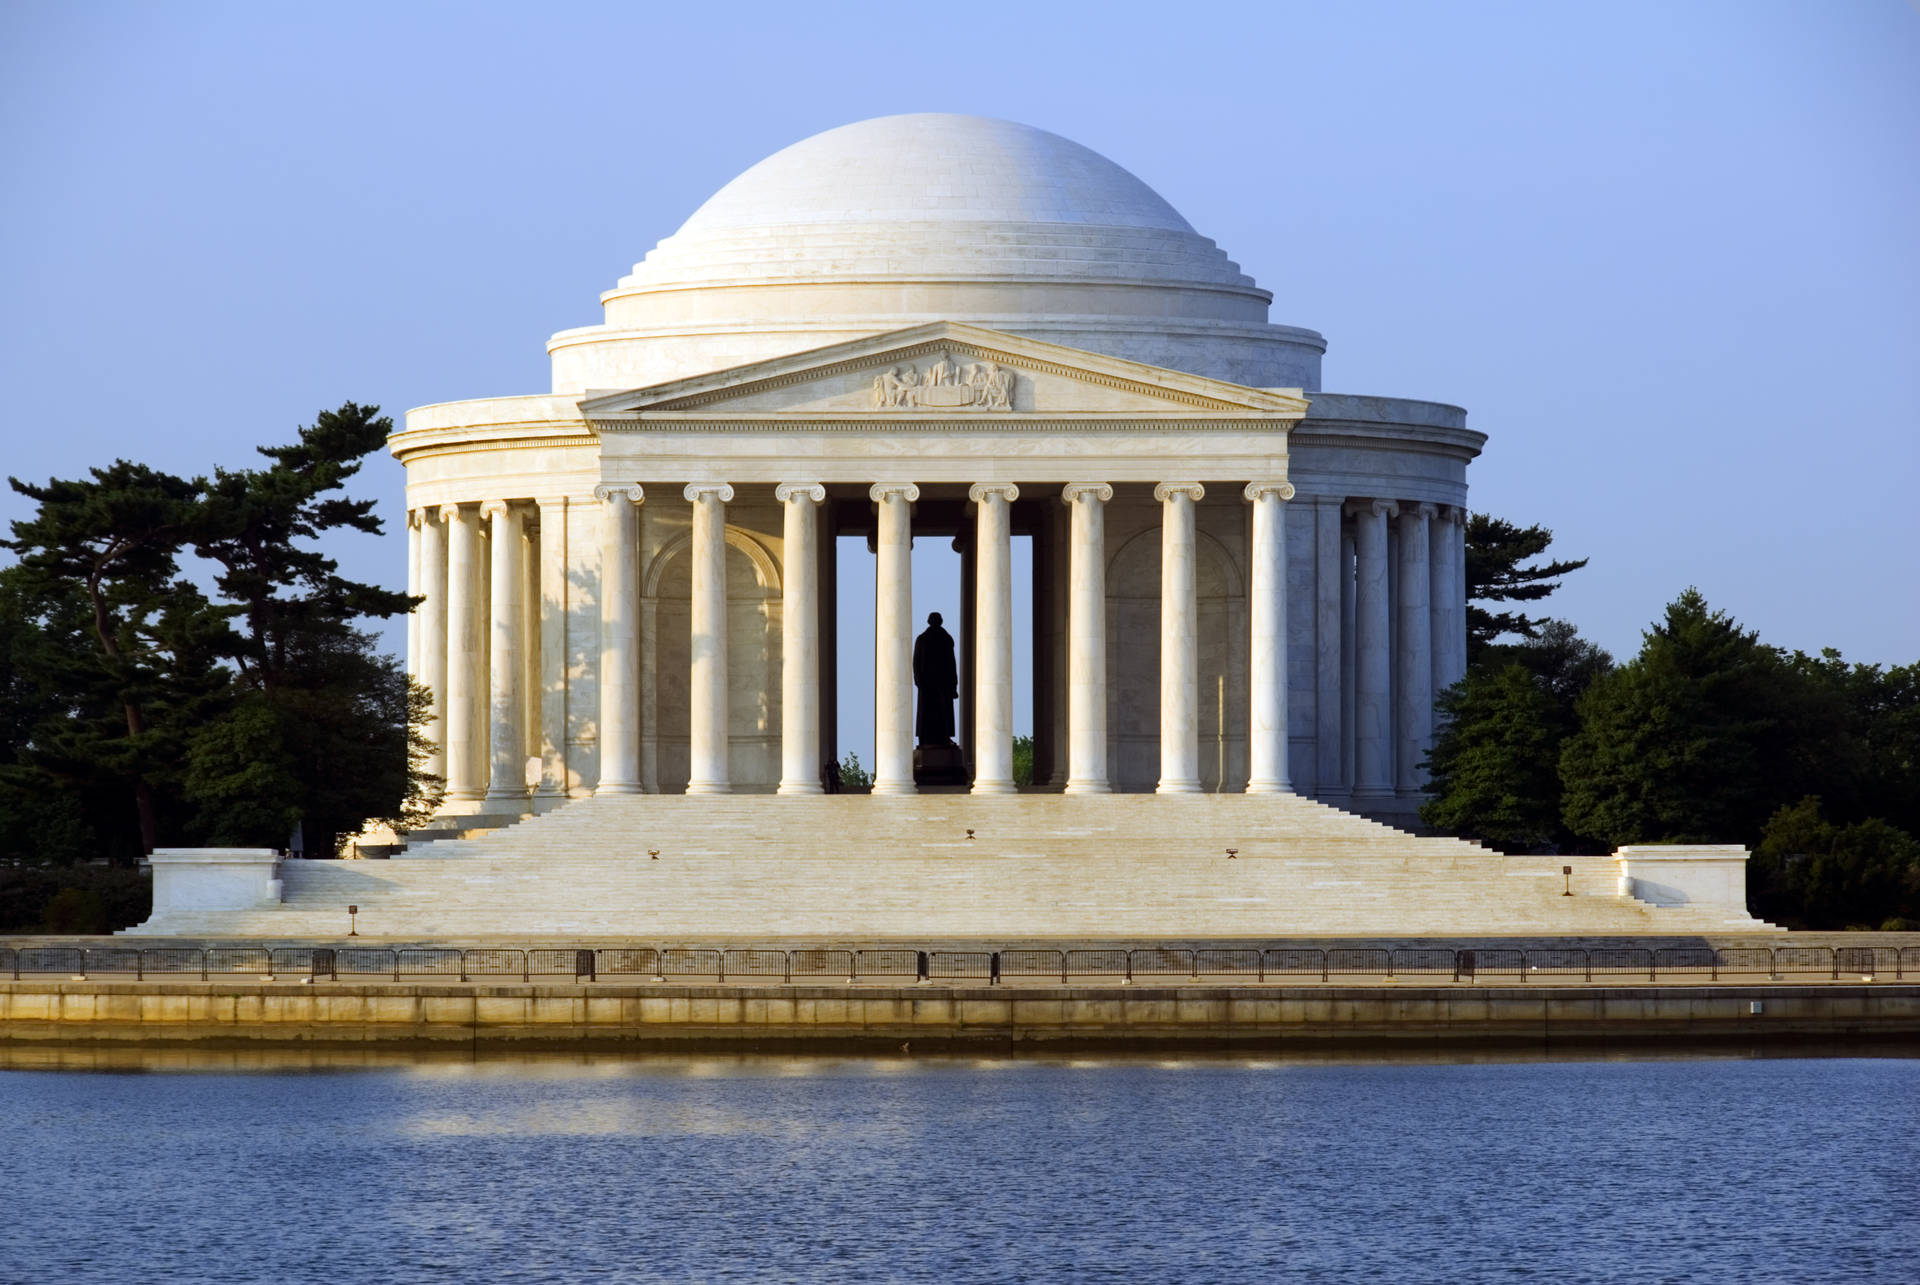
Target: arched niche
{"type": "Point", "coordinates": [1133, 662]}
{"type": "Point", "coordinates": [753, 660]}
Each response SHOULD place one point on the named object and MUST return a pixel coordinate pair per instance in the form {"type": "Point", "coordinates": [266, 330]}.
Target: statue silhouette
{"type": "Point", "coordinates": [938, 678]}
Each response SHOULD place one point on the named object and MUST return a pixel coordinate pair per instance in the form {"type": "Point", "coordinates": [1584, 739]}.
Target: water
{"type": "Point", "coordinates": [812, 1169]}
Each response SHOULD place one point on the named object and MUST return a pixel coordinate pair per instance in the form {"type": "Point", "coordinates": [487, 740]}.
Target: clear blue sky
{"type": "Point", "coordinates": [1667, 255]}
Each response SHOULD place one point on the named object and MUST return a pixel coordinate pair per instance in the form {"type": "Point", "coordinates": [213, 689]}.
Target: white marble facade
{"type": "Point", "coordinates": [937, 327]}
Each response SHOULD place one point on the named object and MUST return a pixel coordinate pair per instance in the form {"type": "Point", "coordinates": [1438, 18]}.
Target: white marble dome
{"type": "Point", "coordinates": [932, 195]}
{"type": "Point", "coordinates": [901, 220]}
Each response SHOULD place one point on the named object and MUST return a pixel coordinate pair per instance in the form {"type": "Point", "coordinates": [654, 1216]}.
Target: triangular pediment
{"type": "Point", "coordinates": [946, 372]}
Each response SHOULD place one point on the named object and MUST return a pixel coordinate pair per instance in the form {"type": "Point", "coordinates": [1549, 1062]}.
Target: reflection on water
{"type": "Point", "coordinates": [352, 1164]}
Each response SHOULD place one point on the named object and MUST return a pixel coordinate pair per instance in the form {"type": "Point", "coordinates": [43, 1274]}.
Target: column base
{"type": "Point", "coordinates": [709, 787]}
{"type": "Point", "coordinates": [1269, 787]}
{"type": "Point", "coordinates": [995, 787]}
{"type": "Point", "coordinates": [1364, 795]}
{"type": "Point", "coordinates": [1183, 786]}
{"type": "Point", "coordinates": [895, 787]}
{"type": "Point", "coordinates": [1088, 787]}
{"type": "Point", "coordinates": [616, 787]}
{"type": "Point", "coordinates": [507, 802]}
{"type": "Point", "coordinates": [799, 787]}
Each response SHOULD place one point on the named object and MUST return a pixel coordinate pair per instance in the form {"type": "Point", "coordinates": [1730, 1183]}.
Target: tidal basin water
{"type": "Point", "coordinates": [242, 1168]}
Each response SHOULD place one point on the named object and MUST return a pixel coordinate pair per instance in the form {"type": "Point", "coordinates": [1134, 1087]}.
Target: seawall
{"type": "Point", "coordinates": [248, 1011]}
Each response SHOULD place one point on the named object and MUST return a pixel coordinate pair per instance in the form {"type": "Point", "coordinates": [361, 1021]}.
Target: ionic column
{"type": "Point", "coordinates": [619, 640]}
{"type": "Point", "coordinates": [1439, 596]}
{"type": "Point", "coordinates": [1413, 683]}
{"type": "Point", "coordinates": [1267, 672]}
{"type": "Point", "coordinates": [1447, 560]}
{"type": "Point", "coordinates": [507, 737]}
{"type": "Point", "coordinates": [551, 743]}
{"type": "Point", "coordinates": [707, 690]}
{"type": "Point", "coordinates": [1179, 647]}
{"type": "Point", "coordinates": [1372, 662]}
{"type": "Point", "coordinates": [1329, 619]}
{"type": "Point", "coordinates": [800, 638]}
{"type": "Point", "coordinates": [466, 774]}
{"type": "Point", "coordinates": [1087, 639]}
{"type": "Point", "coordinates": [993, 637]}
{"type": "Point", "coordinates": [414, 517]}
{"type": "Point", "coordinates": [893, 640]}
{"type": "Point", "coordinates": [432, 672]}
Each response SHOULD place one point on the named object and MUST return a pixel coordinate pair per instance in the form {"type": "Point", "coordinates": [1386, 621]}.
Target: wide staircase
{"type": "Point", "coordinates": [747, 869]}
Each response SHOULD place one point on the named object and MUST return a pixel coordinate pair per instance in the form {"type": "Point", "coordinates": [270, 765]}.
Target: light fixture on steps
{"type": "Point", "coordinates": [653, 854]}
{"type": "Point", "coordinates": [1233, 854]}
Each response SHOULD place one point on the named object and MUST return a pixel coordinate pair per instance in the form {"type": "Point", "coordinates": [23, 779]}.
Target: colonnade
{"type": "Point", "coordinates": [457, 650]}
{"type": "Point", "coordinates": [1399, 599]}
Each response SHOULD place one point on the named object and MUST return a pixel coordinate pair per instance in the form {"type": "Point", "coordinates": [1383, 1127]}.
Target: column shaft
{"type": "Point", "coordinates": [619, 640]}
{"type": "Point", "coordinates": [1373, 674]}
{"type": "Point", "coordinates": [414, 520]}
{"type": "Point", "coordinates": [1413, 684]}
{"type": "Point", "coordinates": [432, 672]}
{"type": "Point", "coordinates": [993, 638]}
{"type": "Point", "coordinates": [466, 780]}
{"type": "Point", "coordinates": [707, 691]}
{"type": "Point", "coordinates": [893, 640]}
{"type": "Point", "coordinates": [1087, 639]}
{"type": "Point", "coordinates": [1267, 673]}
{"type": "Point", "coordinates": [1329, 780]}
{"type": "Point", "coordinates": [800, 639]}
{"type": "Point", "coordinates": [1179, 645]}
{"type": "Point", "coordinates": [507, 738]}
{"type": "Point", "coordinates": [552, 688]}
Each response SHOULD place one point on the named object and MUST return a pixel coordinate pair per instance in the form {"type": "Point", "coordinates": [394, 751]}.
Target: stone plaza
{"type": "Point", "coordinates": [1246, 593]}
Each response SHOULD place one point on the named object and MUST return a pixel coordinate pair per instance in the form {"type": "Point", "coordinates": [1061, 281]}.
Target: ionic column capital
{"type": "Point", "coordinates": [1192, 490]}
{"type": "Point", "coordinates": [1373, 508]}
{"type": "Point", "coordinates": [417, 518]}
{"type": "Point", "coordinates": [694, 492]}
{"type": "Point", "coordinates": [800, 491]}
{"type": "Point", "coordinates": [1450, 513]}
{"type": "Point", "coordinates": [449, 513]}
{"type": "Point", "coordinates": [1100, 491]}
{"type": "Point", "coordinates": [881, 492]}
{"type": "Point", "coordinates": [1000, 490]}
{"type": "Point", "coordinates": [630, 491]}
{"type": "Point", "coordinates": [495, 508]}
{"type": "Point", "coordinates": [1427, 511]}
{"type": "Point", "coordinates": [1255, 490]}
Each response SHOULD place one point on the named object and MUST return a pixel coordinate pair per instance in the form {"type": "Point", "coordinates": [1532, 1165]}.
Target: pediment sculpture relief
{"type": "Point", "coordinates": [945, 385]}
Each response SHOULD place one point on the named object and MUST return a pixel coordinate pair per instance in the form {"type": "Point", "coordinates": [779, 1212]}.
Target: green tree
{"type": "Point", "coordinates": [1023, 760]}
{"type": "Point", "coordinates": [327, 722]}
{"type": "Point", "coordinates": [126, 640]}
{"type": "Point", "coordinates": [1493, 769]}
{"type": "Point", "coordinates": [1808, 872]}
{"type": "Point", "coordinates": [1697, 739]}
{"type": "Point", "coordinates": [1498, 572]}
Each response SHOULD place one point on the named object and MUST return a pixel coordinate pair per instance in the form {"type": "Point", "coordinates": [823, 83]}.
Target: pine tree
{"type": "Point", "coordinates": [1496, 550]}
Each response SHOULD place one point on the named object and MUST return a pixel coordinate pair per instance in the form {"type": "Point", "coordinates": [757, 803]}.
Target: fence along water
{"type": "Point", "coordinates": [1152, 963]}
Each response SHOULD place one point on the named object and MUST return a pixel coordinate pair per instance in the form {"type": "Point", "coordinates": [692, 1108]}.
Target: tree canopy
{"type": "Point", "coordinates": [141, 708]}
{"type": "Point", "coordinates": [1498, 572]}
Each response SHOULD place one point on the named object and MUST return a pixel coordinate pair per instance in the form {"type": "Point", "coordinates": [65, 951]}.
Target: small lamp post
{"type": "Point", "coordinates": [1566, 872]}
{"type": "Point", "coordinates": [353, 915]}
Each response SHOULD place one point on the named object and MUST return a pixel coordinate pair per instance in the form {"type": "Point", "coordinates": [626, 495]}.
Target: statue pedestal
{"type": "Point", "coordinates": [937, 765]}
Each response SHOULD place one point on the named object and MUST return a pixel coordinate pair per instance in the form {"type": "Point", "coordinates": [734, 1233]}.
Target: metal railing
{"type": "Point", "coordinates": [1279, 963]}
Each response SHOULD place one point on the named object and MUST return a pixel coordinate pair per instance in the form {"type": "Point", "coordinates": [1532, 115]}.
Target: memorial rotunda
{"type": "Point", "coordinates": [1245, 593]}
{"type": "Point", "coordinates": [954, 328]}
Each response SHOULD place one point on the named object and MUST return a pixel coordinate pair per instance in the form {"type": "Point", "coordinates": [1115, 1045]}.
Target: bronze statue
{"type": "Point", "coordinates": [938, 677]}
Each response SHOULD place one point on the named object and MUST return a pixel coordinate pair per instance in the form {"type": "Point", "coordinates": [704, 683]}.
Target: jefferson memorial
{"type": "Point", "coordinates": [962, 329]}
{"type": "Point", "coordinates": [927, 331]}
